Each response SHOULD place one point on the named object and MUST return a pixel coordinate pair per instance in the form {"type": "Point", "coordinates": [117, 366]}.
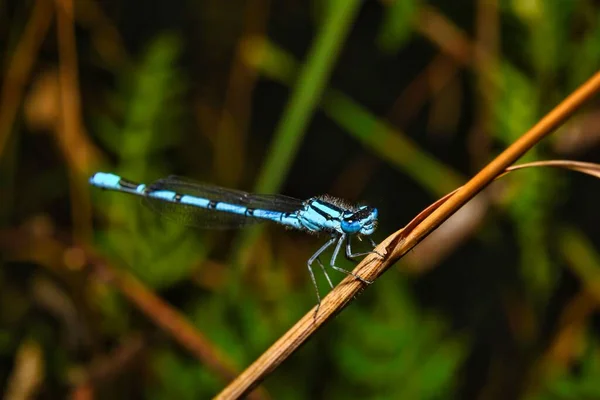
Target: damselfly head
{"type": "Point", "coordinates": [363, 221]}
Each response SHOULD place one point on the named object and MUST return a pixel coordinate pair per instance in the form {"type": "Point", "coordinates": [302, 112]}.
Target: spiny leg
{"type": "Point", "coordinates": [312, 275]}
{"type": "Point", "coordinates": [372, 241]}
{"type": "Point", "coordinates": [334, 257]}
{"type": "Point", "coordinates": [351, 256]}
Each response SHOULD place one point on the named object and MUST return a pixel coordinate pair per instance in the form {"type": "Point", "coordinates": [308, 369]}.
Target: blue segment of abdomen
{"type": "Point", "coordinates": [108, 181]}
{"type": "Point", "coordinates": [115, 182]}
{"type": "Point", "coordinates": [194, 201]}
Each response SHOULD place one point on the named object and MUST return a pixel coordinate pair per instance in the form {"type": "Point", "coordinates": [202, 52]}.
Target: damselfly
{"type": "Point", "coordinates": [210, 206]}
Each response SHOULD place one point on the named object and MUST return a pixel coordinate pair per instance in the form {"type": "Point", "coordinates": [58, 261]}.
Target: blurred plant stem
{"type": "Point", "coordinates": [305, 97]}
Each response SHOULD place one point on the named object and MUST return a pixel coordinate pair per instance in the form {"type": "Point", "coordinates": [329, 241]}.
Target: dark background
{"type": "Point", "coordinates": [388, 103]}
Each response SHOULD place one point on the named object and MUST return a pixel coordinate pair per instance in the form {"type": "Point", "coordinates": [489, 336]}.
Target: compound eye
{"type": "Point", "coordinates": [350, 226]}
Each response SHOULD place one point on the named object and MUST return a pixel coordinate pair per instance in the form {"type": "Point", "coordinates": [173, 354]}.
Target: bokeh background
{"type": "Point", "coordinates": [393, 103]}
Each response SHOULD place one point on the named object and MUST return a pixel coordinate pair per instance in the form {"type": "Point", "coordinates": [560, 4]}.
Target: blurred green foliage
{"type": "Point", "coordinates": [301, 98]}
{"type": "Point", "coordinates": [397, 24]}
{"type": "Point", "coordinates": [137, 137]}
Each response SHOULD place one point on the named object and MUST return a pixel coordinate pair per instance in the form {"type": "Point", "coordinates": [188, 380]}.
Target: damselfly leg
{"type": "Point", "coordinates": [351, 256]}
{"type": "Point", "coordinates": [315, 257]}
{"type": "Point", "coordinates": [334, 258]}
{"type": "Point", "coordinates": [311, 260]}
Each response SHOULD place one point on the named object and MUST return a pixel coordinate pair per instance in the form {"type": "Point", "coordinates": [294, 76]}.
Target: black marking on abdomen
{"type": "Point", "coordinates": [212, 204]}
{"type": "Point", "coordinates": [177, 198]}
{"type": "Point", "coordinates": [249, 212]}
{"type": "Point", "coordinates": [128, 184]}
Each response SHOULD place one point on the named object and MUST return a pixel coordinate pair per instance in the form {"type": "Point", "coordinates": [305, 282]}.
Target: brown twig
{"type": "Point", "coordinates": [48, 251]}
{"type": "Point", "coordinates": [565, 347]}
{"type": "Point", "coordinates": [566, 344]}
{"type": "Point", "coordinates": [453, 41]}
{"type": "Point", "coordinates": [171, 321]}
{"type": "Point", "coordinates": [78, 152]}
{"type": "Point", "coordinates": [233, 122]}
{"type": "Point", "coordinates": [488, 32]}
{"type": "Point", "coordinates": [105, 37]}
{"type": "Point", "coordinates": [399, 243]}
{"type": "Point", "coordinates": [428, 84]}
{"type": "Point", "coordinates": [107, 367]}
{"type": "Point", "coordinates": [20, 66]}
{"type": "Point", "coordinates": [27, 373]}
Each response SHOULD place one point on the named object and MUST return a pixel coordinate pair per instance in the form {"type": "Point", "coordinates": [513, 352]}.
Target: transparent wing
{"type": "Point", "coordinates": [198, 217]}
{"type": "Point", "coordinates": [210, 218]}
